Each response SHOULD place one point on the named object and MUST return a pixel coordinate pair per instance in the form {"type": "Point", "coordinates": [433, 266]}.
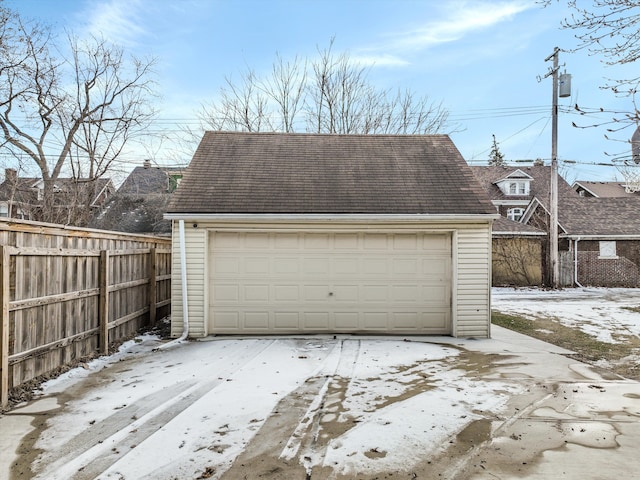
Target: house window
{"type": "Point", "coordinates": [4, 210]}
{"type": "Point", "coordinates": [515, 214]}
{"type": "Point", "coordinates": [608, 249]}
{"type": "Point", "coordinates": [518, 188]}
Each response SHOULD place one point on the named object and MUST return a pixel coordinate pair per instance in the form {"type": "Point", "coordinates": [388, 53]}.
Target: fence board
{"type": "Point", "coordinates": [70, 292]}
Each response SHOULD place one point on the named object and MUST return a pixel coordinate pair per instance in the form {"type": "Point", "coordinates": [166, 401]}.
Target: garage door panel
{"type": "Point", "coordinates": [345, 321]}
{"type": "Point", "coordinates": [375, 320]}
{"type": "Point", "coordinates": [286, 293]}
{"type": "Point", "coordinates": [317, 241]}
{"type": "Point", "coordinates": [289, 321]}
{"type": "Point", "coordinates": [315, 321]}
{"type": "Point", "coordinates": [256, 293]}
{"type": "Point", "coordinates": [256, 321]}
{"type": "Point", "coordinates": [315, 293]}
{"type": "Point", "coordinates": [256, 265]}
{"type": "Point", "coordinates": [346, 293]}
{"type": "Point", "coordinates": [375, 293]}
{"type": "Point", "coordinates": [316, 266]}
{"type": "Point", "coordinates": [405, 242]}
{"type": "Point", "coordinates": [376, 241]}
{"type": "Point", "coordinates": [345, 241]}
{"type": "Point", "coordinates": [228, 320]}
{"type": "Point", "coordinates": [227, 265]}
{"type": "Point", "coordinates": [226, 293]}
{"type": "Point", "coordinates": [375, 266]}
{"type": "Point", "coordinates": [330, 282]}
{"type": "Point", "coordinates": [286, 265]}
{"type": "Point", "coordinates": [346, 266]}
{"type": "Point", "coordinates": [287, 241]}
{"type": "Point", "coordinates": [405, 266]}
{"type": "Point", "coordinates": [405, 293]}
{"type": "Point", "coordinates": [405, 321]}
{"type": "Point", "coordinates": [434, 293]}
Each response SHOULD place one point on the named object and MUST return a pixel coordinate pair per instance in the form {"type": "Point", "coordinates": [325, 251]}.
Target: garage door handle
{"type": "Point", "coordinates": [331, 294]}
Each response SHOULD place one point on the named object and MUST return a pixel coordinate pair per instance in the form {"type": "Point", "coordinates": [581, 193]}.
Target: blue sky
{"type": "Point", "coordinates": [481, 59]}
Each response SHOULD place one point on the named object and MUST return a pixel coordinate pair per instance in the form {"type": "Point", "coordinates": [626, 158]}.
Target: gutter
{"type": "Point", "coordinates": [185, 304]}
{"type": "Point", "coordinates": [334, 218]}
{"type": "Point", "coordinates": [575, 262]}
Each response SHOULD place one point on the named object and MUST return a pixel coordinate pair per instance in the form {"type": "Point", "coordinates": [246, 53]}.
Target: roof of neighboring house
{"type": "Point", "coordinates": [134, 214]}
{"type": "Point", "coordinates": [24, 189]}
{"type": "Point", "coordinates": [603, 189]}
{"type": "Point", "coordinates": [504, 226]}
{"type": "Point", "coordinates": [146, 180]}
{"type": "Point", "coordinates": [600, 216]}
{"type": "Point", "coordinates": [238, 172]}
{"type": "Point", "coordinates": [539, 186]}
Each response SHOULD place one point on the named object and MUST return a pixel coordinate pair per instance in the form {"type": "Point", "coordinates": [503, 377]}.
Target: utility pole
{"type": "Point", "coordinates": [553, 187]}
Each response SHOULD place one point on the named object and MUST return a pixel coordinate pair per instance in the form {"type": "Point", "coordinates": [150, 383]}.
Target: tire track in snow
{"type": "Point", "coordinates": [102, 444]}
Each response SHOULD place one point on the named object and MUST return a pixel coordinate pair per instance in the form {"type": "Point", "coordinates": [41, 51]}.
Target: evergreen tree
{"type": "Point", "coordinates": [496, 157]}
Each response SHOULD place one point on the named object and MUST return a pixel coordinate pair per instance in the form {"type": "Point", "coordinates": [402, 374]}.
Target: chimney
{"type": "Point", "coordinates": [147, 163]}
{"type": "Point", "coordinates": [10, 175]}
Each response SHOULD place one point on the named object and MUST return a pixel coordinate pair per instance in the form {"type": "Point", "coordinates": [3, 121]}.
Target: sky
{"type": "Point", "coordinates": [484, 61]}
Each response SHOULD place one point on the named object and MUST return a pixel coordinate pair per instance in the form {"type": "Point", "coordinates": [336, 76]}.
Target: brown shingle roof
{"type": "Point", "coordinates": [604, 189]}
{"type": "Point", "coordinates": [600, 216]}
{"type": "Point", "coordinates": [504, 226]}
{"type": "Point", "coordinates": [238, 172]}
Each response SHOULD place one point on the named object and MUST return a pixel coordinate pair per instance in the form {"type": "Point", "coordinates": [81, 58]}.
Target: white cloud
{"type": "Point", "coordinates": [118, 21]}
{"type": "Point", "coordinates": [461, 18]}
{"type": "Point", "coordinates": [381, 60]}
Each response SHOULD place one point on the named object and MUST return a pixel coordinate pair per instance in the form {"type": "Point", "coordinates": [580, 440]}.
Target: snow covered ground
{"type": "Point", "coordinates": [604, 313]}
{"type": "Point", "coordinates": [167, 414]}
{"type": "Point", "coordinates": [347, 404]}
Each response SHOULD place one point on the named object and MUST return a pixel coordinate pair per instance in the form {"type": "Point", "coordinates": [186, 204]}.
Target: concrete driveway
{"type": "Point", "coordinates": [329, 408]}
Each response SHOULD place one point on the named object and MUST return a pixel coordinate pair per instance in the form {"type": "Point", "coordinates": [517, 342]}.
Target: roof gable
{"type": "Point", "coordinates": [266, 173]}
{"type": "Point", "coordinates": [516, 174]}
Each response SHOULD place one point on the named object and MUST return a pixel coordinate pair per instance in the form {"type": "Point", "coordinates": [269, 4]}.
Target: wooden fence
{"type": "Point", "coordinates": [68, 292]}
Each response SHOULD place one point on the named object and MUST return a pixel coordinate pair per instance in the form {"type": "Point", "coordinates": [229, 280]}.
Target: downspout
{"type": "Point", "coordinates": [185, 306]}
{"type": "Point", "coordinates": [575, 262]}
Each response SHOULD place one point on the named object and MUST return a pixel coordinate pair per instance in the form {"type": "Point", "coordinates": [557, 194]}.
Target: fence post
{"type": "Point", "coordinates": [152, 286]}
{"type": "Point", "coordinates": [5, 269]}
{"type": "Point", "coordinates": [103, 336]}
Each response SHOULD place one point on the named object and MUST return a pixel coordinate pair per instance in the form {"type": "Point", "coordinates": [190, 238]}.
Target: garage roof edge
{"type": "Point", "coordinates": [358, 218]}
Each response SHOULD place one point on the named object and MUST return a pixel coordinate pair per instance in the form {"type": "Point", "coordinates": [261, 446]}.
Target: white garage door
{"type": "Point", "coordinates": [277, 283]}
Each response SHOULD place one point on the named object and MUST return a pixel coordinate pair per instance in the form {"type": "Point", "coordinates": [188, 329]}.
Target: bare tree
{"type": "Point", "coordinates": [68, 113]}
{"type": "Point", "coordinates": [331, 94]}
{"type": "Point", "coordinates": [609, 29]}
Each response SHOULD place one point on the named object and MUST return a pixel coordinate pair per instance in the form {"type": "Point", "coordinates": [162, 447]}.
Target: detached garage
{"type": "Point", "coordinates": [306, 233]}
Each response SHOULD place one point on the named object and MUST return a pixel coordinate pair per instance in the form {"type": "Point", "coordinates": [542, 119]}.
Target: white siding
{"type": "Point", "coordinates": [473, 281]}
{"type": "Point", "coordinates": [470, 270]}
{"type": "Point", "coordinates": [196, 253]}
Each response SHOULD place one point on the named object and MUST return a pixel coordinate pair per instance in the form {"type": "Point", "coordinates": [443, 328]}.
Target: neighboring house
{"type": "Point", "coordinates": [512, 189]}
{"type": "Point", "coordinates": [599, 240]}
{"type": "Point", "coordinates": [74, 199]}
{"type": "Point", "coordinates": [311, 233]}
{"type": "Point", "coordinates": [519, 250]}
{"type": "Point", "coordinates": [141, 201]}
{"type": "Point", "coordinates": [603, 189]}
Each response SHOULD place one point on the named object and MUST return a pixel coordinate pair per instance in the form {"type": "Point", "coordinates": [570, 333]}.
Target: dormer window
{"type": "Point", "coordinates": [516, 183]}
{"type": "Point", "coordinates": [518, 188]}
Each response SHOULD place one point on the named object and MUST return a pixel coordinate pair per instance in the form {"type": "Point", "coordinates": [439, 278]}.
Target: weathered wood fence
{"type": "Point", "coordinates": [68, 292]}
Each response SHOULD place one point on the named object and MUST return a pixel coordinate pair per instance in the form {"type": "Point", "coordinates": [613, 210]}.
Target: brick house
{"type": "Point", "coordinates": [599, 240]}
